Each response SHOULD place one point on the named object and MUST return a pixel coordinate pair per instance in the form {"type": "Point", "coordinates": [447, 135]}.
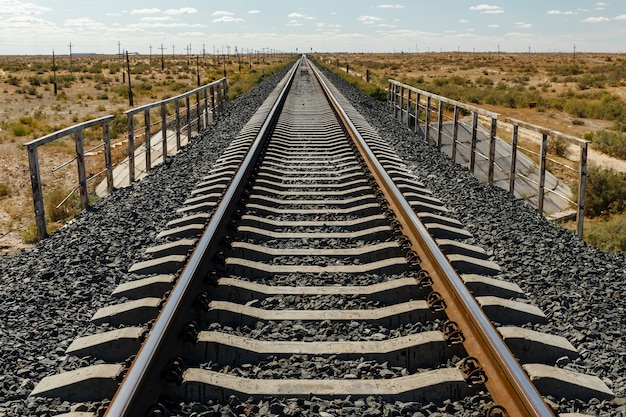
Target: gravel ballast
{"type": "Point", "coordinates": [50, 292]}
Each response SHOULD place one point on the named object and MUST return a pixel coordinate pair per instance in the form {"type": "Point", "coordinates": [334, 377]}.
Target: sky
{"type": "Point", "coordinates": [95, 26]}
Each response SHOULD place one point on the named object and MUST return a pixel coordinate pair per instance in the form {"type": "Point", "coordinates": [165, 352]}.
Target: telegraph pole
{"type": "Point", "coordinates": [130, 88]}
{"type": "Point", "coordinates": [54, 71]}
{"type": "Point", "coordinates": [71, 72]}
{"type": "Point", "coordinates": [162, 59]}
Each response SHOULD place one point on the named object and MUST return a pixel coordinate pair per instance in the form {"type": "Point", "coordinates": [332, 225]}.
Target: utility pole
{"type": "Point", "coordinates": [54, 71]}
{"type": "Point", "coordinates": [188, 47]}
{"type": "Point", "coordinates": [162, 59]}
{"type": "Point", "coordinates": [197, 71]}
{"type": "Point", "coordinates": [574, 53]}
{"type": "Point", "coordinates": [150, 56]}
{"type": "Point", "coordinates": [172, 51]}
{"type": "Point", "coordinates": [71, 72]}
{"type": "Point", "coordinates": [119, 53]}
{"type": "Point", "coordinates": [130, 88]}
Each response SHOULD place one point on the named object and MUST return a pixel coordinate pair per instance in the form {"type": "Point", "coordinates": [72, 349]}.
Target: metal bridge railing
{"type": "Point", "coordinates": [208, 104]}
{"type": "Point", "coordinates": [438, 120]}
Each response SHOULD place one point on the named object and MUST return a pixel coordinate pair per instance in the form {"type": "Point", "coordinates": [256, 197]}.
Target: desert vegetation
{"type": "Point", "coordinates": [39, 99]}
{"type": "Point", "coordinates": [580, 95]}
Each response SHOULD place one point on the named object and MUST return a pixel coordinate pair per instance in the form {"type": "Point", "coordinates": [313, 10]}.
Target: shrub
{"type": "Point", "coordinates": [5, 190]}
{"type": "Point", "coordinates": [607, 234]}
{"type": "Point", "coordinates": [558, 147]}
{"type": "Point", "coordinates": [66, 211]}
{"type": "Point", "coordinates": [605, 192]}
{"type": "Point", "coordinates": [611, 143]}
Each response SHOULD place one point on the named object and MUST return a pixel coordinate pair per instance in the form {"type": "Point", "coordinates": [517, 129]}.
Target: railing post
{"type": "Point", "coordinates": [198, 111]}
{"type": "Point", "coordinates": [213, 112]}
{"type": "Point", "coordinates": [177, 111]}
{"type": "Point", "coordinates": [80, 164]}
{"type": "Point", "coordinates": [473, 143]}
{"type": "Point", "coordinates": [164, 130]}
{"type": "Point", "coordinates": [582, 182]}
{"type": "Point", "coordinates": [513, 168]}
{"type": "Point", "coordinates": [148, 141]}
{"type": "Point", "coordinates": [427, 127]}
{"type": "Point", "coordinates": [542, 172]}
{"type": "Point", "coordinates": [131, 148]}
{"type": "Point", "coordinates": [206, 108]}
{"type": "Point", "coordinates": [188, 118]}
{"type": "Point", "coordinates": [492, 149]}
{"type": "Point", "coordinates": [439, 123]}
{"type": "Point", "coordinates": [402, 104]}
{"type": "Point", "coordinates": [455, 131]}
{"type": "Point", "coordinates": [35, 183]}
{"type": "Point", "coordinates": [108, 160]}
{"type": "Point", "coordinates": [418, 98]}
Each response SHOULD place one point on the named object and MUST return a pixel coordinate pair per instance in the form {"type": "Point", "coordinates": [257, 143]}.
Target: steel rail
{"type": "Point", "coordinates": [507, 383]}
{"type": "Point", "coordinates": [131, 398]}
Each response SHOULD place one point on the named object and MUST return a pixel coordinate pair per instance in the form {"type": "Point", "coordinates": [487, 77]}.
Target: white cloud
{"type": "Point", "coordinates": [227, 19]}
{"type": "Point", "coordinates": [157, 19]}
{"type": "Point", "coordinates": [295, 16]}
{"type": "Point", "coordinates": [487, 9]}
{"type": "Point", "coordinates": [621, 17]}
{"type": "Point", "coordinates": [222, 13]}
{"type": "Point", "coordinates": [254, 11]}
{"type": "Point", "coordinates": [390, 6]}
{"type": "Point", "coordinates": [182, 10]}
{"type": "Point", "coordinates": [370, 20]}
{"type": "Point", "coordinates": [294, 23]}
{"type": "Point", "coordinates": [494, 26]}
{"type": "Point", "coordinates": [145, 11]}
{"type": "Point", "coordinates": [19, 8]}
{"type": "Point", "coordinates": [464, 21]}
{"type": "Point", "coordinates": [602, 4]}
{"type": "Point", "coordinates": [522, 25]}
{"type": "Point", "coordinates": [84, 23]}
{"type": "Point", "coordinates": [596, 19]}
{"type": "Point", "coordinates": [558, 12]}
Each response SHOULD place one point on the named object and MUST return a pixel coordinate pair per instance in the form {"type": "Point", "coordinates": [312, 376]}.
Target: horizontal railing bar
{"type": "Point", "coordinates": [68, 131]}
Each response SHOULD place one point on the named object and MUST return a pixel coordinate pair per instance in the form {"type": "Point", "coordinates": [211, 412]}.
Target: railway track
{"type": "Point", "coordinates": [310, 264]}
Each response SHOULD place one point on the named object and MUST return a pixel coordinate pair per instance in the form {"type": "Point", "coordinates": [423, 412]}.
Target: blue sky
{"type": "Point", "coordinates": [41, 26]}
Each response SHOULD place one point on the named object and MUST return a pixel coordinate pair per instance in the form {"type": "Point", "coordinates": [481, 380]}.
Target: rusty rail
{"type": "Point", "coordinates": [506, 381]}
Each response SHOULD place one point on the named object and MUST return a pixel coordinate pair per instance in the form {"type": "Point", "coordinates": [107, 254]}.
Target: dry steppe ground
{"type": "Point", "coordinates": [504, 83]}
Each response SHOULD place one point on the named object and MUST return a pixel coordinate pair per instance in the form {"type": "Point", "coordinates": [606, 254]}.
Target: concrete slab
{"type": "Point", "coordinates": [344, 202]}
{"type": "Point", "coordinates": [164, 265]}
{"type": "Point", "coordinates": [120, 172]}
{"type": "Point", "coordinates": [442, 231]}
{"type": "Point", "coordinates": [481, 285]}
{"type": "Point", "coordinates": [367, 209]}
{"type": "Point", "coordinates": [154, 286]}
{"type": "Point", "coordinates": [413, 351]}
{"type": "Point", "coordinates": [509, 312]}
{"type": "Point", "coordinates": [112, 346]}
{"type": "Point", "coordinates": [134, 312]}
{"type": "Point", "coordinates": [188, 231]}
{"type": "Point", "coordinates": [233, 314]}
{"type": "Point", "coordinates": [568, 384]}
{"type": "Point", "coordinates": [366, 253]}
{"type": "Point", "coordinates": [379, 232]}
{"type": "Point", "coordinates": [436, 385]}
{"type": "Point", "coordinates": [92, 383]}
{"type": "Point", "coordinates": [244, 266]}
{"type": "Point", "coordinates": [452, 247]}
{"type": "Point", "coordinates": [179, 247]}
{"type": "Point", "coordinates": [469, 265]}
{"type": "Point", "coordinates": [199, 218]}
{"type": "Point", "coordinates": [353, 191]}
{"type": "Point", "coordinates": [536, 347]}
{"type": "Point", "coordinates": [393, 291]}
{"type": "Point", "coordinates": [356, 224]}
